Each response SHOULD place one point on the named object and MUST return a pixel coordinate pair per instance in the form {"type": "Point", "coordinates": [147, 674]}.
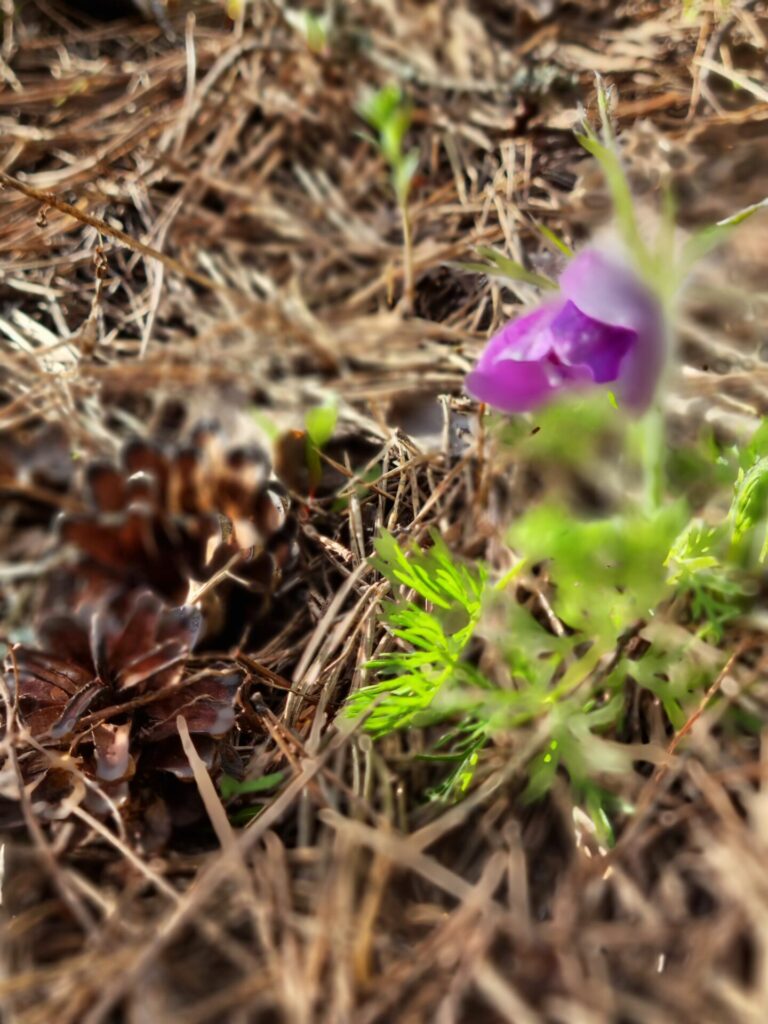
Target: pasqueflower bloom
{"type": "Point", "coordinates": [605, 327]}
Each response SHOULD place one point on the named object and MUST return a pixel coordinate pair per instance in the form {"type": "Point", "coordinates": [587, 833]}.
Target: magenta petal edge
{"type": "Point", "coordinates": [605, 328]}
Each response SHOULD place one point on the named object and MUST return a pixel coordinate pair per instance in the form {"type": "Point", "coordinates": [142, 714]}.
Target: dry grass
{"type": "Point", "coordinates": [188, 214]}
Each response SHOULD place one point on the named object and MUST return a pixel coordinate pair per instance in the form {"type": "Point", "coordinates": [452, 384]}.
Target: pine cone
{"type": "Point", "coordinates": [199, 518]}
{"type": "Point", "coordinates": [107, 684]}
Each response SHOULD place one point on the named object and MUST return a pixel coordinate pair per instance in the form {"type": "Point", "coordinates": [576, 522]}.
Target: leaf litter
{"type": "Point", "coordinates": [194, 230]}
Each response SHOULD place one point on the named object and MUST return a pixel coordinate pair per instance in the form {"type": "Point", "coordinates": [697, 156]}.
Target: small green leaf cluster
{"type": "Point", "coordinates": [748, 509]}
{"type": "Point", "coordinates": [389, 113]}
{"type": "Point", "coordinates": [714, 590]}
{"type": "Point", "coordinates": [609, 573]}
{"type": "Point", "coordinates": [564, 665]}
{"type": "Point", "coordinates": [431, 677]}
{"type": "Point", "coordinates": [715, 563]}
{"type": "Point", "coordinates": [433, 622]}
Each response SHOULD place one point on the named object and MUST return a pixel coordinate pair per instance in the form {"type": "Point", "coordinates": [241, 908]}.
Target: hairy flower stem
{"type": "Point", "coordinates": [654, 453]}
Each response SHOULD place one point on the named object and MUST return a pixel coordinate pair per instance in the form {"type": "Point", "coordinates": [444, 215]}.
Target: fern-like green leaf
{"type": "Point", "coordinates": [433, 625]}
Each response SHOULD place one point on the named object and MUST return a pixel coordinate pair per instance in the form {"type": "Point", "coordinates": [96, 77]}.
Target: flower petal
{"type": "Point", "coordinates": [642, 367]}
{"type": "Point", "coordinates": [606, 327]}
{"type": "Point", "coordinates": [579, 340]}
{"type": "Point", "coordinates": [514, 385]}
{"type": "Point", "coordinates": [526, 338]}
{"type": "Point", "coordinates": [603, 288]}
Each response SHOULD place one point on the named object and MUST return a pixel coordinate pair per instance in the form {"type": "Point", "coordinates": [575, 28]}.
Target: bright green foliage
{"type": "Point", "coordinates": [693, 551]}
{"type": "Point", "coordinates": [388, 112]}
{"type": "Point", "coordinates": [319, 423]}
{"type": "Point", "coordinates": [609, 572]}
{"type": "Point", "coordinates": [262, 786]}
{"type": "Point", "coordinates": [588, 421]}
{"type": "Point", "coordinates": [696, 572]}
{"type": "Point", "coordinates": [749, 508]}
{"type": "Point", "coordinates": [433, 633]}
{"type": "Point", "coordinates": [606, 579]}
{"type": "Point", "coordinates": [429, 678]}
{"type": "Point", "coordinates": [715, 565]}
{"type": "Point", "coordinates": [757, 448]}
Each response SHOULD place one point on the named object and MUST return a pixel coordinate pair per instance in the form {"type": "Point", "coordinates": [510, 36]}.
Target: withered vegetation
{"type": "Point", "coordinates": [197, 244]}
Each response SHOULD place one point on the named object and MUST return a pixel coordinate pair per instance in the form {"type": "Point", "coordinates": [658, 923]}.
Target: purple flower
{"type": "Point", "coordinates": [604, 327]}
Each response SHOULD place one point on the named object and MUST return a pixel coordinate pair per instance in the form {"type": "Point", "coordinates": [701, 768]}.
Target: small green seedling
{"type": "Point", "coordinates": [315, 28]}
{"type": "Point", "coordinates": [319, 425]}
{"type": "Point", "coordinates": [230, 787]}
{"type": "Point", "coordinates": [389, 113]}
